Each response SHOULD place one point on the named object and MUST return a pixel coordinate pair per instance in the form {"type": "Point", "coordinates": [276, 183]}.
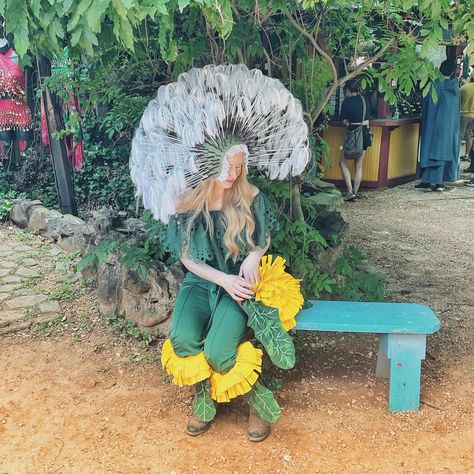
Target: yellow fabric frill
{"type": "Point", "coordinates": [185, 370]}
{"type": "Point", "coordinates": [278, 289]}
{"type": "Point", "coordinates": [240, 379]}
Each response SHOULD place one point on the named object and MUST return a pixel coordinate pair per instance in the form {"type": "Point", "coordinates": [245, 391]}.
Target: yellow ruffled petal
{"type": "Point", "coordinates": [185, 370]}
{"type": "Point", "coordinates": [240, 379]}
{"type": "Point", "coordinates": [278, 289]}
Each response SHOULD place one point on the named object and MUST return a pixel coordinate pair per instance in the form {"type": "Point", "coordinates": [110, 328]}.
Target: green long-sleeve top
{"type": "Point", "coordinates": [201, 248]}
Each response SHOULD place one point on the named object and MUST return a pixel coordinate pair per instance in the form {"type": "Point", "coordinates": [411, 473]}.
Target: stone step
{"type": "Point", "coordinates": [13, 321]}
{"type": "Point", "coordinates": [10, 279]}
{"type": "Point", "coordinates": [27, 301]}
{"type": "Point", "coordinates": [9, 288]}
{"type": "Point", "coordinates": [7, 317]}
{"type": "Point", "coordinates": [15, 328]}
{"type": "Point", "coordinates": [4, 272]}
{"type": "Point", "coordinates": [27, 272]}
{"type": "Point", "coordinates": [4, 296]}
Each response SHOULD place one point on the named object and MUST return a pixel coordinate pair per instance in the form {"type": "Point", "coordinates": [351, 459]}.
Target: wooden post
{"type": "Point", "coordinates": [61, 166]}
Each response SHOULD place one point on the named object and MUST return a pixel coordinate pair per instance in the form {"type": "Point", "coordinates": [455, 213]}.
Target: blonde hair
{"type": "Point", "coordinates": [236, 214]}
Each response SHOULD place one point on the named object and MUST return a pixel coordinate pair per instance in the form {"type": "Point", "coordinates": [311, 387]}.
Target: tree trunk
{"type": "Point", "coordinates": [61, 166]}
{"type": "Point", "coordinates": [296, 198]}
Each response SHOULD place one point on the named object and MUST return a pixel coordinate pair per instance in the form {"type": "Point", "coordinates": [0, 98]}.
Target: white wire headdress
{"type": "Point", "coordinates": [189, 126]}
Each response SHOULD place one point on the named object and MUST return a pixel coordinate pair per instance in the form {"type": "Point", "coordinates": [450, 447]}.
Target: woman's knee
{"type": "Point", "coordinates": [184, 344]}
{"type": "Point", "coordinates": [219, 358]}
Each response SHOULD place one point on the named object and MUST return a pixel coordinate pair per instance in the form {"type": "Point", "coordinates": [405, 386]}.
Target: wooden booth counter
{"type": "Point", "coordinates": [391, 160]}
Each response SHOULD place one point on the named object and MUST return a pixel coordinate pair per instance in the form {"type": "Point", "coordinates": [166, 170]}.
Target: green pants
{"type": "Point", "coordinates": [206, 318]}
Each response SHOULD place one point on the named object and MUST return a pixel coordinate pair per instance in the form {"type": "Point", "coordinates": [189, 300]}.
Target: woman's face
{"type": "Point", "coordinates": [232, 170]}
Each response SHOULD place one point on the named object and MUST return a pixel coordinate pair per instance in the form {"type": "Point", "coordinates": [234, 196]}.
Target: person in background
{"type": "Point", "coordinates": [352, 115]}
{"type": "Point", "coordinates": [467, 119]}
{"type": "Point", "coordinates": [439, 153]}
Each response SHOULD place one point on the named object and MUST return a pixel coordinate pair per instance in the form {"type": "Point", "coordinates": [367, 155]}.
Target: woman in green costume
{"type": "Point", "coordinates": [189, 163]}
{"type": "Point", "coordinates": [220, 233]}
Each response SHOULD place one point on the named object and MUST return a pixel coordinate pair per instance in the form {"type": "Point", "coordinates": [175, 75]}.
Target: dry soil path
{"type": "Point", "coordinates": [77, 398]}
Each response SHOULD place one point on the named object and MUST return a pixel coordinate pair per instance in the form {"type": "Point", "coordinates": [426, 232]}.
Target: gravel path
{"type": "Point", "coordinates": [425, 242]}
{"type": "Point", "coordinates": [76, 398]}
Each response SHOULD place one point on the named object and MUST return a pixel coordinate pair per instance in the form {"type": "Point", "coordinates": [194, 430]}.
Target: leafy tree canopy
{"type": "Point", "coordinates": [271, 32]}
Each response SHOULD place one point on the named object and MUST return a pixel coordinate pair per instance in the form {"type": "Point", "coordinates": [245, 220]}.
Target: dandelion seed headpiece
{"type": "Point", "coordinates": [189, 126]}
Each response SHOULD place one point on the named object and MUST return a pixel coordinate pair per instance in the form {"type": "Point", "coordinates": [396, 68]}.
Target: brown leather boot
{"type": "Point", "coordinates": [196, 426]}
{"type": "Point", "coordinates": [258, 429]}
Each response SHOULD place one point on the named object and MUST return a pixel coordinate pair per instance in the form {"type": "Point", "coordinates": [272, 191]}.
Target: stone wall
{"type": "Point", "coordinates": [119, 290]}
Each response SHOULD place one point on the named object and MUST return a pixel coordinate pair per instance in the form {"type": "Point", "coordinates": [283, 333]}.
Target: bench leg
{"type": "Point", "coordinates": [383, 364]}
{"type": "Point", "coordinates": [405, 352]}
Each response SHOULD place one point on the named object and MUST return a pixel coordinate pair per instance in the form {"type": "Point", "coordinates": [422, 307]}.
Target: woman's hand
{"type": "Point", "coordinates": [238, 288]}
{"type": "Point", "coordinates": [249, 267]}
{"type": "Point", "coordinates": [345, 122]}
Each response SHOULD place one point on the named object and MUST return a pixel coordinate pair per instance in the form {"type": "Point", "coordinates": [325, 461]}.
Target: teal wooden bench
{"type": "Point", "coordinates": [402, 330]}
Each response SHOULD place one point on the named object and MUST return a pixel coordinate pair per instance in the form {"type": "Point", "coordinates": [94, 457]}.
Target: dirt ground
{"type": "Point", "coordinates": [77, 398]}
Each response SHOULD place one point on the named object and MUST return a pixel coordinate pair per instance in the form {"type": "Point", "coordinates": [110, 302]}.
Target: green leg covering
{"type": "Point", "coordinates": [204, 407]}
{"type": "Point", "coordinates": [269, 331]}
{"type": "Point", "coordinates": [264, 403]}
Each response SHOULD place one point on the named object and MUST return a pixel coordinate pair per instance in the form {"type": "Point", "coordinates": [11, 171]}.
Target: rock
{"type": "Point", "coordinates": [314, 185]}
{"type": "Point", "coordinates": [70, 277]}
{"type": "Point", "coordinates": [52, 222]}
{"type": "Point", "coordinates": [10, 279]}
{"type": "Point", "coordinates": [69, 225]}
{"type": "Point", "coordinates": [15, 327]}
{"type": "Point", "coordinates": [7, 317]}
{"type": "Point", "coordinates": [163, 328]}
{"type": "Point", "coordinates": [76, 243]}
{"type": "Point", "coordinates": [25, 291]}
{"type": "Point", "coordinates": [55, 251]}
{"type": "Point", "coordinates": [37, 218]}
{"type": "Point", "coordinates": [27, 301]}
{"type": "Point", "coordinates": [135, 284]}
{"type": "Point", "coordinates": [14, 256]}
{"type": "Point", "coordinates": [27, 272]}
{"type": "Point", "coordinates": [109, 292]}
{"type": "Point", "coordinates": [102, 222]}
{"type": "Point", "coordinates": [50, 307]}
{"type": "Point", "coordinates": [4, 272]}
{"type": "Point", "coordinates": [326, 202]}
{"type": "Point", "coordinates": [29, 262]}
{"type": "Point", "coordinates": [23, 248]}
{"type": "Point", "coordinates": [4, 296]}
{"type": "Point", "coordinates": [8, 264]}
{"type": "Point", "coordinates": [44, 318]}
{"type": "Point", "coordinates": [8, 288]}
{"type": "Point", "coordinates": [134, 228]}
{"type": "Point", "coordinates": [62, 266]}
{"type": "Point", "coordinates": [87, 230]}
{"type": "Point", "coordinates": [19, 212]}
{"type": "Point", "coordinates": [150, 303]}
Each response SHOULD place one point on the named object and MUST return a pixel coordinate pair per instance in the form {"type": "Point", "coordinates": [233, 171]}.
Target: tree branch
{"type": "Point", "coordinates": [326, 56]}
{"type": "Point", "coordinates": [369, 61]}
{"type": "Point", "coordinates": [352, 74]}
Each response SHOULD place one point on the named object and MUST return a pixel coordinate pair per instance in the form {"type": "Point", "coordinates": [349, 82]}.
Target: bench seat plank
{"type": "Point", "coordinates": [348, 316]}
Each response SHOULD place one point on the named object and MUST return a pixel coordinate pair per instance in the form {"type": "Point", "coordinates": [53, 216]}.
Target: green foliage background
{"type": "Point", "coordinates": [122, 51]}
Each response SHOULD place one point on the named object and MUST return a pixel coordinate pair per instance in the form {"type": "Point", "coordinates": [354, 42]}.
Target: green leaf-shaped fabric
{"type": "Point", "coordinates": [266, 325]}
{"type": "Point", "coordinates": [204, 407]}
{"type": "Point", "coordinates": [264, 403]}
